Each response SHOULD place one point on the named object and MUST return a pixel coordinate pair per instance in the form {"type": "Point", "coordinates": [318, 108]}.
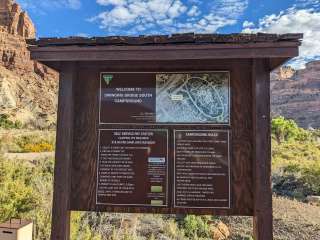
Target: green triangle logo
{"type": "Point", "coordinates": [107, 78]}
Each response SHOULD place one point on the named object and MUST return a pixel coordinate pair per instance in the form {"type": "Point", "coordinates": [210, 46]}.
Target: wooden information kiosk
{"type": "Point", "coordinates": [164, 124]}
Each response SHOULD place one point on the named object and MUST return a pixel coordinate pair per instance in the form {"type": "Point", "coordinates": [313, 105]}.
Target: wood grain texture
{"type": "Point", "coordinates": [85, 145]}
{"type": "Point", "coordinates": [83, 192]}
{"type": "Point", "coordinates": [242, 138]}
{"type": "Point", "coordinates": [172, 47]}
{"type": "Point", "coordinates": [262, 151]}
{"type": "Point", "coordinates": [160, 53]}
{"type": "Point", "coordinates": [62, 173]}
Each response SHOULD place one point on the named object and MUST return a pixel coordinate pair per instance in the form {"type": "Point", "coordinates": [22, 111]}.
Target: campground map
{"type": "Point", "coordinates": [195, 98]}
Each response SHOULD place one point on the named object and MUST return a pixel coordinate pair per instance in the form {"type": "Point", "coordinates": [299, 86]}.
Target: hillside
{"type": "Point", "coordinates": [296, 94]}
{"type": "Point", "coordinates": [28, 89]}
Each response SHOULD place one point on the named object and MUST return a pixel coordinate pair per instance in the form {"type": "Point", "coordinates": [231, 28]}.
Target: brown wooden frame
{"type": "Point", "coordinates": [62, 172]}
{"type": "Point", "coordinates": [262, 220]}
{"type": "Point", "coordinates": [85, 106]}
{"type": "Point", "coordinates": [76, 63]}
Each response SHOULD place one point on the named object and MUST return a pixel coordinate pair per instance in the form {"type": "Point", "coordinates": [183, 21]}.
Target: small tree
{"type": "Point", "coordinates": [285, 130]}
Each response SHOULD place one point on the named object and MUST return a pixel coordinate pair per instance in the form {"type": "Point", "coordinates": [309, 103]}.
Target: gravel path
{"type": "Point", "coordinates": [28, 156]}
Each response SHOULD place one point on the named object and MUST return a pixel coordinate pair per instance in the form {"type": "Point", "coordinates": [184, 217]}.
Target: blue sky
{"type": "Point", "coordinates": [135, 17]}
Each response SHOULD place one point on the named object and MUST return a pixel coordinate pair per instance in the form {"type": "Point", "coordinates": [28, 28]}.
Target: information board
{"type": "Point", "coordinates": [133, 167]}
{"type": "Point", "coordinates": [165, 98]}
{"type": "Point", "coordinates": [164, 140]}
{"type": "Point", "coordinates": [201, 169]}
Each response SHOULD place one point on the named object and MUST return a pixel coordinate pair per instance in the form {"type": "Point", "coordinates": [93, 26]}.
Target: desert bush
{"type": "Point", "coordinates": [286, 130]}
{"type": "Point", "coordinates": [39, 147]}
{"type": "Point", "coordinates": [172, 230]}
{"type": "Point", "coordinates": [26, 192]}
{"type": "Point", "coordinates": [6, 123]}
{"type": "Point", "coordinates": [34, 143]}
{"type": "Point", "coordinates": [295, 160]}
{"type": "Point", "coordinates": [242, 237]}
{"type": "Point", "coordinates": [27, 142]}
{"type": "Point", "coordinates": [80, 229]}
{"type": "Point", "coordinates": [296, 169]}
{"type": "Point", "coordinates": [16, 192]}
{"type": "Point", "coordinates": [310, 174]}
{"type": "Point", "coordinates": [196, 227]}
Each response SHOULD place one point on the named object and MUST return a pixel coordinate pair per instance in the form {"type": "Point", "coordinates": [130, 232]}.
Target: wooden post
{"type": "Point", "coordinates": [262, 222]}
{"type": "Point", "coordinates": [62, 174]}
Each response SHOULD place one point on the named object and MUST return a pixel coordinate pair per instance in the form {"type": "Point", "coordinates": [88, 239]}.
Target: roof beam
{"type": "Point", "coordinates": [162, 53]}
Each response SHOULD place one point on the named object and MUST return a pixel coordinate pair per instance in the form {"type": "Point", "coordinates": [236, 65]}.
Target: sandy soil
{"type": "Point", "coordinates": [28, 156]}
{"type": "Point", "coordinates": [293, 220]}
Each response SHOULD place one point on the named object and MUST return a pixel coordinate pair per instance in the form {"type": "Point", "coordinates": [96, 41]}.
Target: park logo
{"type": "Point", "coordinates": [107, 78]}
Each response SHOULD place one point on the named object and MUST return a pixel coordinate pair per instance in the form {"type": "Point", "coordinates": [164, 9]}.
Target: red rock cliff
{"type": "Point", "coordinates": [28, 89]}
{"type": "Point", "coordinates": [297, 95]}
{"type": "Point", "coordinates": [15, 21]}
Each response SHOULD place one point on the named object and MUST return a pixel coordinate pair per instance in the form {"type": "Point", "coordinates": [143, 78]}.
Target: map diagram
{"type": "Point", "coordinates": [193, 98]}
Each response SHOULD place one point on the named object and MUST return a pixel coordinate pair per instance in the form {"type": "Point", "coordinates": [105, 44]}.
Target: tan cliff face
{"type": "Point", "coordinates": [297, 95]}
{"type": "Point", "coordinates": [28, 89]}
{"type": "Point", "coordinates": [15, 21]}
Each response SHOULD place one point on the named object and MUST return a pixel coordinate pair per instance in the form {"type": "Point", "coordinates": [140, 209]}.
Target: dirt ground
{"type": "Point", "coordinates": [293, 220]}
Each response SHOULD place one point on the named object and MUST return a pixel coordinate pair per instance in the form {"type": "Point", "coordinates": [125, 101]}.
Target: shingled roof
{"type": "Point", "coordinates": [186, 38]}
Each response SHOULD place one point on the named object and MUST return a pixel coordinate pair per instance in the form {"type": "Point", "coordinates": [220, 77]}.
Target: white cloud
{"type": "Point", "coordinates": [45, 5]}
{"type": "Point", "coordinates": [306, 21]}
{"type": "Point", "coordinates": [85, 35]}
{"type": "Point", "coordinates": [176, 9]}
{"type": "Point", "coordinates": [210, 23]}
{"type": "Point", "coordinates": [194, 11]}
{"type": "Point", "coordinates": [247, 24]}
{"type": "Point", "coordinates": [74, 4]}
{"type": "Point", "coordinates": [167, 16]}
{"type": "Point", "coordinates": [300, 62]}
{"type": "Point", "coordinates": [307, 3]}
{"type": "Point", "coordinates": [111, 2]}
{"type": "Point", "coordinates": [230, 8]}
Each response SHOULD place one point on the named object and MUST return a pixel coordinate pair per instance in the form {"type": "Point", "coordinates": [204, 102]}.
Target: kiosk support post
{"type": "Point", "coordinates": [262, 220]}
{"type": "Point", "coordinates": [62, 178]}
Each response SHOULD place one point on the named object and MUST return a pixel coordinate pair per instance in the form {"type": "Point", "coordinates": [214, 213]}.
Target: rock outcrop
{"type": "Point", "coordinates": [28, 89]}
{"type": "Point", "coordinates": [15, 21]}
{"type": "Point", "coordinates": [296, 94]}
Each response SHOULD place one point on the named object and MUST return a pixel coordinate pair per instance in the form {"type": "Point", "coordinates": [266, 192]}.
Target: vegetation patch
{"type": "Point", "coordinates": [295, 160]}
{"type": "Point", "coordinates": [26, 192]}
{"type": "Point", "coordinates": [6, 123]}
{"type": "Point", "coordinates": [27, 142]}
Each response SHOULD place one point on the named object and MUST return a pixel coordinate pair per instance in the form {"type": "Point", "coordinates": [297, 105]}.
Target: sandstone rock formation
{"type": "Point", "coordinates": [296, 94]}
{"type": "Point", "coordinates": [28, 99]}
{"type": "Point", "coordinates": [15, 21]}
{"type": "Point", "coordinates": [28, 89]}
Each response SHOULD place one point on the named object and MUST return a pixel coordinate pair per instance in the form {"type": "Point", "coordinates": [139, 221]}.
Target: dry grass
{"type": "Point", "coordinates": [293, 220]}
{"type": "Point", "coordinates": [25, 141]}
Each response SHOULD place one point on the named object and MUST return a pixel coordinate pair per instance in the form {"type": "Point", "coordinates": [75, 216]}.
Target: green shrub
{"type": "Point", "coordinates": [6, 123]}
{"type": "Point", "coordinates": [286, 130]}
{"type": "Point", "coordinates": [172, 230]}
{"type": "Point", "coordinates": [33, 143]}
{"type": "Point", "coordinates": [196, 227]}
{"type": "Point", "coordinates": [295, 160]}
{"type": "Point", "coordinates": [311, 176]}
{"type": "Point", "coordinates": [17, 196]}
{"type": "Point", "coordinates": [38, 147]}
{"type": "Point", "coordinates": [80, 230]}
